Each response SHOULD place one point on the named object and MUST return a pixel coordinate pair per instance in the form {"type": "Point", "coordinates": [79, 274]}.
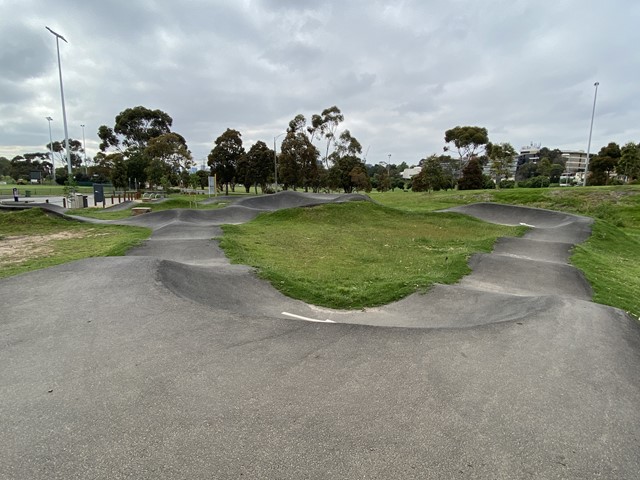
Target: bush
{"type": "Point", "coordinates": [488, 183]}
{"type": "Point", "coordinates": [507, 184]}
{"type": "Point", "coordinates": [536, 182]}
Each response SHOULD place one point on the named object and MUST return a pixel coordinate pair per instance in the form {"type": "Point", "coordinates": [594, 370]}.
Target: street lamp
{"type": "Point", "coordinates": [53, 162]}
{"type": "Point", "coordinates": [84, 150]}
{"type": "Point", "coordinates": [275, 158]}
{"type": "Point", "coordinates": [64, 112]}
{"type": "Point", "coordinates": [593, 112]}
{"type": "Point", "coordinates": [387, 164]}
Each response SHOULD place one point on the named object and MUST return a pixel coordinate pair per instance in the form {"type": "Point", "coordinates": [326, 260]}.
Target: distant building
{"type": "Point", "coordinates": [530, 154]}
{"type": "Point", "coordinates": [409, 173]}
{"type": "Point", "coordinates": [575, 160]}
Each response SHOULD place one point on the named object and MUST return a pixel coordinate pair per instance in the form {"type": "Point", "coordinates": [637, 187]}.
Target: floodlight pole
{"type": "Point", "coordinates": [64, 111]}
{"type": "Point", "coordinates": [53, 162]}
{"type": "Point", "coordinates": [593, 112]}
{"type": "Point", "coordinates": [275, 160]}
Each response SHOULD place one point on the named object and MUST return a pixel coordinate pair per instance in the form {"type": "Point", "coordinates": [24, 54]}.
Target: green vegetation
{"type": "Point", "coordinates": [358, 254]}
{"type": "Point", "coordinates": [609, 258]}
{"type": "Point", "coordinates": [32, 240]}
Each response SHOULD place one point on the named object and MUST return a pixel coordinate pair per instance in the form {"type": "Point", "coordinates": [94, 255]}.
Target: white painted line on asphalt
{"type": "Point", "coordinates": [527, 225]}
{"type": "Point", "coordinates": [300, 317]}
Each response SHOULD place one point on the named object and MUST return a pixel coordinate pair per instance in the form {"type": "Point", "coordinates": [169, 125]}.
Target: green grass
{"type": "Point", "coordinates": [609, 258]}
{"type": "Point", "coordinates": [39, 246]}
{"type": "Point", "coordinates": [358, 254]}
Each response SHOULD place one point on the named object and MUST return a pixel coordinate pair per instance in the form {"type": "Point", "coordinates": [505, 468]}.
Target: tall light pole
{"type": "Point", "coordinates": [53, 162]}
{"type": "Point", "coordinates": [84, 150]}
{"type": "Point", "coordinates": [387, 164]}
{"type": "Point", "coordinates": [64, 111]}
{"type": "Point", "coordinates": [593, 113]}
{"type": "Point", "coordinates": [275, 158]}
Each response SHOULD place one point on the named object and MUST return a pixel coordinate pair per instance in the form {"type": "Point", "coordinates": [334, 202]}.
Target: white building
{"type": "Point", "coordinates": [575, 160]}
{"type": "Point", "coordinates": [409, 173]}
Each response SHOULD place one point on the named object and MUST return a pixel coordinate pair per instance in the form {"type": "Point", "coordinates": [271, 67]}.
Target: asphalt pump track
{"type": "Point", "coordinates": [173, 363]}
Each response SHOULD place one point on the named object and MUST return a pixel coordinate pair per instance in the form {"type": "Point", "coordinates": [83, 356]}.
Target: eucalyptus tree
{"type": "Point", "coordinates": [501, 159]}
{"type": "Point", "coordinates": [130, 135]}
{"type": "Point", "coordinates": [133, 129]}
{"type": "Point", "coordinates": [468, 141]}
{"type": "Point", "coordinates": [629, 161]}
{"type": "Point", "coordinates": [260, 163]}
{"type": "Point", "coordinates": [168, 157]}
{"type": "Point", "coordinates": [224, 157]}
{"type": "Point", "coordinates": [325, 126]}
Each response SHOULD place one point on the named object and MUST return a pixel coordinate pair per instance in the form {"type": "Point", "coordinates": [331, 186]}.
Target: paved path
{"type": "Point", "coordinates": [172, 363]}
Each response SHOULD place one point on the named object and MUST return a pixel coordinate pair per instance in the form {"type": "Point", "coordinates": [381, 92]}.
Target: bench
{"type": "Point", "coordinates": [140, 210]}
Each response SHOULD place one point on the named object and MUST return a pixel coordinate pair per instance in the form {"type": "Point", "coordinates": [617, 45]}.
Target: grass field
{"type": "Point", "coordinates": [609, 258]}
{"type": "Point", "coordinates": [30, 240]}
{"type": "Point", "coordinates": [358, 254]}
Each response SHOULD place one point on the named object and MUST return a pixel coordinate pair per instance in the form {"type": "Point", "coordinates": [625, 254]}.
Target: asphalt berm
{"type": "Point", "coordinates": [173, 363]}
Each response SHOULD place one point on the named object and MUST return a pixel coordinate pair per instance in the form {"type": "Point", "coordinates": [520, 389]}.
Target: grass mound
{"type": "Point", "coordinates": [358, 254]}
{"type": "Point", "coordinates": [609, 258]}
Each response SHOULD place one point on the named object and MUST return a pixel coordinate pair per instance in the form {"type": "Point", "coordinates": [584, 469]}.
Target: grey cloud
{"type": "Point", "coordinates": [402, 72]}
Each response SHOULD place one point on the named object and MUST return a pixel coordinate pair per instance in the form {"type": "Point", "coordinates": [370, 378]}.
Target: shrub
{"type": "Point", "coordinates": [488, 183]}
{"type": "Point", "coordinates": [536, 182]}
{"type": "Point", "coordinates": [507, 184]}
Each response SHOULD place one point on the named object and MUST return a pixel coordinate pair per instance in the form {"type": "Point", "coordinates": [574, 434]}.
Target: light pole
{"type": "Point", "coordinates": [275, 159]}
{"type": "Point", "coordinates": [64, 112]}
{"type": "Point", "coordinates": [84, 150]}
{"type": "Point", "coordinates": [53, 162]}
{"type": "Point", "coordinates": [593, 112]}
{"type": "Point", "coordinates": [386, 164]}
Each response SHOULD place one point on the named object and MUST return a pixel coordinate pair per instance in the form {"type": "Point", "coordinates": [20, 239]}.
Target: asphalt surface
{"type": "Point", "coordinates": [172, 363]}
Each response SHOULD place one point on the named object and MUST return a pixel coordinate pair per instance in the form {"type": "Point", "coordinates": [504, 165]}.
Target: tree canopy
{"type": "Point", "coordinates": [468, 140]}
{"type": "Point", "coordinates": [501, 158]}
{"type": "Point", "coordinates": [224, 157]}
{"type": "Point", "coordinates": [133, 128]}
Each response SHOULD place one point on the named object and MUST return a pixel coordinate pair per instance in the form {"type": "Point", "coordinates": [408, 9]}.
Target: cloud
{"type": "Point", "coordinates": [402, 72]}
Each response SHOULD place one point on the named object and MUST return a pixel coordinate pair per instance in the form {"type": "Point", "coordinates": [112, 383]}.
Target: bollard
{"type": "Point", "coordinates": [46, 201]}
{"type": "Point", "coordinates": [64, 203]}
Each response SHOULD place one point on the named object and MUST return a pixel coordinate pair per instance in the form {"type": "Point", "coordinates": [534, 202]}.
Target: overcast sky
{"type": "Point", "coordinates": [402, 72]}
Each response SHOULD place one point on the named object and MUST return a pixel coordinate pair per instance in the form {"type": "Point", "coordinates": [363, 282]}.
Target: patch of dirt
{"type": "Point", "coordinates": [19, 248]}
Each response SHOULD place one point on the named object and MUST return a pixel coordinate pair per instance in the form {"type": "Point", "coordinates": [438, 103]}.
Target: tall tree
{"type": "Point", "coordinates": [60, 152]}
{"type": "Point", "coordinates": [224, 157]}
{"type": "Point", "coordinates": [171, 150]}
{"type": "Point", "coordinates": [347, 167]}
{"type": "Point", "coordinates": [298, 165]}
{"type": "Point", "coordinates": [326, 125]}
{"type": "Point", "coordinates": [468, 141]}
{"type": "Point", "coordinates": [501, 158]}
{"type": "Point", "coordinates": [119, 177]}
{"type": "Point", "coordinates": [603, 164]}
{"type": "Point", "coordinates": [629, 162]}
{"type": "Point", "coordinates": [261, 164]}
{"type": "Point", "coordinates": [134, 127]}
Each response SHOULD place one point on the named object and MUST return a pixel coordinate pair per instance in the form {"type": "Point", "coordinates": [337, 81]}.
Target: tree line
{"type": "Point", "coordinates": [315, 155]}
